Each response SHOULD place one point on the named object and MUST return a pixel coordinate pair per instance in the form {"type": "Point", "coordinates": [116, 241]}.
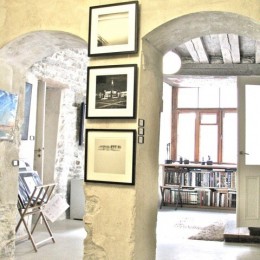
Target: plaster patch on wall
{"type": "Point", "coordinates": [91, 250]}
{"type": "Point", "coordinates": [7, 230]}
{"type": "Point", "coordinates": [106, 219]}
{"type": "Point", "coordinates": [93, 205]}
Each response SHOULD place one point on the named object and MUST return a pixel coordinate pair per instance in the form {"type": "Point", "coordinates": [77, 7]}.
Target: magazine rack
{"type": "Point", "coordinates": [39, 197]}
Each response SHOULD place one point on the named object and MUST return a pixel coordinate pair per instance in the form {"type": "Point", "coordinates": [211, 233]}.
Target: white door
{"type": "Point", "coordinates": [26, 149]}
{"type": "Point", "coordinates": [40, 123]}
{"type": "Point", "coordinates": [248, 178]}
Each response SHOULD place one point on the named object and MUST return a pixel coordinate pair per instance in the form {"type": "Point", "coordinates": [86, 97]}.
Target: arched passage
{"type": "Point", "coordinates": [32, 47]}
{"type": "Point", "coordinates": [19, 55]}
{"type": "Point", "coordinates": [155, 44]}
{"type": "Point", "coordinates": [184, 28]}
{"type": "Point", "coordinates": [176, 32]}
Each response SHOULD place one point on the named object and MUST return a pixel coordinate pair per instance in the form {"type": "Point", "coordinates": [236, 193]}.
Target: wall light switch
{"type": "Point", "coordinates": [15, 162]}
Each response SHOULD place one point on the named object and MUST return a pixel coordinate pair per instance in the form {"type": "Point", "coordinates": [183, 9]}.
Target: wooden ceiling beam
{"type": "Point", "coordinates": [219, 69]}
{"type": "Point", "coordinates": [197, 50]}
{"type": "Point", "coordinates": [229, 44]}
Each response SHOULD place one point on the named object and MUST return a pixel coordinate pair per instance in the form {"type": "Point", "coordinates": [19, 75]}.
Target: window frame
{"type": "Point", "coordinates": [220, 112]}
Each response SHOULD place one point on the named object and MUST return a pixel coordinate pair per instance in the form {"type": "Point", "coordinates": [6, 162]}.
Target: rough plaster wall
{"type": "Point", "coordinates": [67, 70]}
{"type": "Point", "coordinates": [111, 209]}
{"type": "Point", "coordinates": [148, 164]}
{"type": "Point", "coordinates": [11, 81]}
{"type": "Point", "coordinates": [114, 207]}
{"type": "Point", "coordinates": [7, 229]}
{"type": "Point", "coordinates": [149, 93]}
{"type": "Point", "coordinates": [23, 16]}
{"type": "Point", "coordinates": [18, 17]}
{"type": "Point", "coordinates": [170, 9]}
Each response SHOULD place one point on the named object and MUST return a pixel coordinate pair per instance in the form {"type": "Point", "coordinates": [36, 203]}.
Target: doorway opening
{"type": "Point", "coordinates": [59, 90]}
{"type": "Point", "coordinates": [53, 65]}
{"type": "Point", "coordinates": [174, 35]}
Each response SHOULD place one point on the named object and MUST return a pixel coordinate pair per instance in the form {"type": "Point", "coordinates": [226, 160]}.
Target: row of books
{"type": "Point", "coordinates": [202, 178]}
{"type": "Point", "coordinates": [203, 197]}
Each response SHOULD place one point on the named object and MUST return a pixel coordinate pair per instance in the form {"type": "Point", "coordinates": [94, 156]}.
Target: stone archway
{"type": "Point", "coordinates": [32, 47]}
{"type": "Point", "coordinates": [184, 28]}
{"type": "Point", "coordinates": [16, 58]}
{"type": "Point", "coordinates": [177, 31]}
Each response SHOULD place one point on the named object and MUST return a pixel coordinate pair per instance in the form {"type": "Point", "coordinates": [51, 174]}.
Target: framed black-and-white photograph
{"type": "Point", "coordinates": [111, 91]}
{"type": "Point", "coordinates": [110, 156]}
{"type": "Point", "coordinates": [113, 29]}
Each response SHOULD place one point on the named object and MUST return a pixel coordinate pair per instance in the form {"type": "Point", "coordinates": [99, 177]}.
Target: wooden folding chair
{"type": "Point", "coordinates": [36, 202]}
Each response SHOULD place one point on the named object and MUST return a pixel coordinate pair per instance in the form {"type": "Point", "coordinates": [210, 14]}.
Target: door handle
{"type": "Point", "coordinates": [243, 153]}
{"type": "Point", "coordinates": [39, 150]}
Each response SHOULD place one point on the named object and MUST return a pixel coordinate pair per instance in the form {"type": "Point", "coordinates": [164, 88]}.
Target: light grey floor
{"type": "Point", "coordinates": [174, 246]}
{"type": "Point", "coordinates": [69, 235]}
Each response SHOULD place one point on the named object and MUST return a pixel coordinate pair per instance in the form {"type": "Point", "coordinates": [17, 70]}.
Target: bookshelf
{"type": "Point", "coordinates": [198, 185]}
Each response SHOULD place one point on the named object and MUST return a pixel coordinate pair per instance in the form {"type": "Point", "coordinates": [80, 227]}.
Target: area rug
{"type": "Point", "coordinates": [198, 228]}
{"type": "Point", "coordinates": [214, 232]}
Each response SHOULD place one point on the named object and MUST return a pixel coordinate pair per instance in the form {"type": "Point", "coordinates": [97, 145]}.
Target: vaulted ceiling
{"type": "Point", "coordinates": [220, 49]}
{"type": "Point", "coordinates": [218, 55]}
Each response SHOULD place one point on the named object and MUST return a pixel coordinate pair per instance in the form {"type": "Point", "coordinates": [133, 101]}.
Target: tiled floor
{"type": "Point", "coordinates": [69, 235]}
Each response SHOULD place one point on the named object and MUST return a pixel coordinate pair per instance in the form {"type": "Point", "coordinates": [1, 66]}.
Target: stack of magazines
{"type": "Point", "coordinates": [28, 180]}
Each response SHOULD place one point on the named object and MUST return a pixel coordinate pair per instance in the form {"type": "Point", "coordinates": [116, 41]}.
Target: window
{"type": "Point", "coordinates": [208, 97]}
{"type": "Point", "coordinates": [188, 98]}
{"type": "Point", "coordinates": [186, 133]}
{"type": "Point", "coordinates": [205, 120]}
{"type": "Point", "coordinates": [229, 137]}
{"type": "Point", "coordinates": [208, 136]}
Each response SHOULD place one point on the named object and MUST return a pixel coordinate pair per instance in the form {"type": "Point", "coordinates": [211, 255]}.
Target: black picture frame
{"type": "Point", "coordinates": [113, 29]}
{"type": "Point", "coordinates": [82, 123]}
{"type": "Point", "coordinates": [111, 91]}
{"type": "Point", "coordinates": [110, 156]}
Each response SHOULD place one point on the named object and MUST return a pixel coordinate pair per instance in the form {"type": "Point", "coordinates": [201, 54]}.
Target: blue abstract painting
{"type": "Point", "coordinates": [8, 108]}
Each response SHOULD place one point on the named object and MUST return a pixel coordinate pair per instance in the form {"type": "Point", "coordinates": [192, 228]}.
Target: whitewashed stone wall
{"type": "Point", "coordinates": [67, 70]}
